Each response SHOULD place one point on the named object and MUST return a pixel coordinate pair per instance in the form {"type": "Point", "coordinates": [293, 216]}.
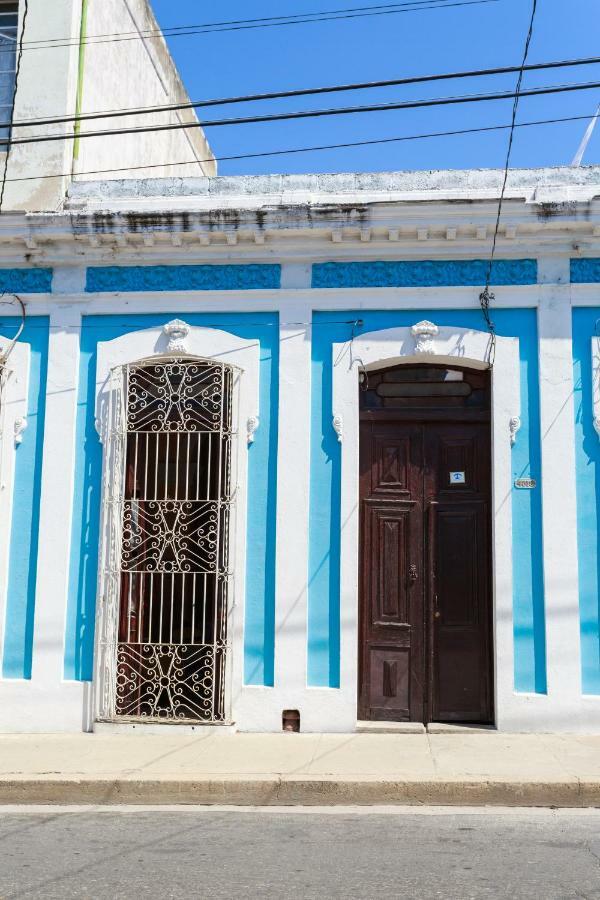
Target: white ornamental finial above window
{"type": "Point", "coordinates": [424, 333]}
{"type": "Point", "coordinates": [177, 331]}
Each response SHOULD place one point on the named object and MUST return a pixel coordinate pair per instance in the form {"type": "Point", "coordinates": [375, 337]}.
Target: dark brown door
{"type": "Point", "coordinates": [391, 487]}
{"type": "Point", "coordinates": [425, 645]}
{"type": "Point", "coordinates": [459, 614]}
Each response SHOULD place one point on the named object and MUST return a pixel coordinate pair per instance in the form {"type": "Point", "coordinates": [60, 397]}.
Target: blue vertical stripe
{"type": "Point", "coordinates": [528, 582]}
{"type": "Point", "coordinates": [260, 565]}
{"type": "Point", "coordinates": [23, 554]}
{"type": "Point", "coordinates": [587, 467]}
{"type": "Point", "coordinates": [325, 525]}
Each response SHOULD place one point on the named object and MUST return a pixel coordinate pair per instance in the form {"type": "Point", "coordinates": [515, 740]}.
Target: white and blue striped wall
{"type": "Point", "coordinates": [292, 564]}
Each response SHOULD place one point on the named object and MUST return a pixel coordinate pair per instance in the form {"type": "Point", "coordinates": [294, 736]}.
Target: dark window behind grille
{"type": "Point", "coordinates": [174, 547]}
{"type": "Point", "coordinates": [424, 387]}
{"type": "Point", "coordinates": [8, 46]}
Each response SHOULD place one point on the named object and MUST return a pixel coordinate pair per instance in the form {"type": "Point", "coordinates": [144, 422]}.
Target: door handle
{"type": "Point", "coordinates": [412, 572]}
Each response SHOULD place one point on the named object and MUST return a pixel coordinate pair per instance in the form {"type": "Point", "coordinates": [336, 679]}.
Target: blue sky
{"type": "Point", "coordinates": [384, 47]}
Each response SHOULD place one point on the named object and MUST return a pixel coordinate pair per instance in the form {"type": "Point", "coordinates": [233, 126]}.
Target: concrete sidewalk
{"type": "Point", "coordinates": [280, 769]}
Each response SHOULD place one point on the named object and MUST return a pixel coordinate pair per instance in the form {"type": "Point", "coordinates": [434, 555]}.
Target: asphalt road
{"type": "Point", "coordinates": [186, 852]}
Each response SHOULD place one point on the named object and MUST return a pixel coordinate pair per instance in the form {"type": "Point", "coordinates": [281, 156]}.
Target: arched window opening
{"type": "Point", "coordinates": [168, 499]}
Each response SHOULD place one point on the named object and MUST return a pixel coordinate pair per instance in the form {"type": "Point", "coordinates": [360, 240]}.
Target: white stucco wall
{"type": "Point", "coordinates": [114, 75]}
{"type": "Point", "coordinates": [47, 88]}
{"type": "Point", "coordinates": [135, 73]}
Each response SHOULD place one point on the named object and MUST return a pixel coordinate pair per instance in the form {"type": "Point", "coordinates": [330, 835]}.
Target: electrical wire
{"type": "Point", "coordinates": [303, 92]}
{"type": "Point", "coordinates": [247, 24]}
{"type": "Point", "coordinates": [174, 29]}
{"type": "Point", "coordinates": [315, 113]}
{"type": "Point", "coordinates": [319, 147]}
{"type": "Point", "coordinates": [487, 297]}
{"type": "Point", "coordinates": [6, 353]}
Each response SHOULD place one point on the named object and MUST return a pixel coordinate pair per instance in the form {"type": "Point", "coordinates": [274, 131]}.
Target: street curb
{"type": "Point", "coordinates": [273, 790]}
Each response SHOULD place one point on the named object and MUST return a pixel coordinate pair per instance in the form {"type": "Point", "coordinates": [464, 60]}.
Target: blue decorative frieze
{"type": "Point", "coordinates": [183, 278]}
{"type": "Point", "coordinates": [26, 281]}
{"type": "Point", "coordinates": [423, 273]}
{"type": "Point", "coordinates": [585, 271]}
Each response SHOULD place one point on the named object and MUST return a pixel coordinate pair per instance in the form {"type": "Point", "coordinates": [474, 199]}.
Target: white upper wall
{"type": "Point", "coordinates": [137, 72]}
{"type": "Point", "coordinates": [47, 88]}
{"type": "Point", "coordinates": [56, 81]}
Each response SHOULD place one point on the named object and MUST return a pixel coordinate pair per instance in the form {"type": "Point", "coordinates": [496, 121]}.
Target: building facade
{"type": "Point", "coordinates": [261, 455]}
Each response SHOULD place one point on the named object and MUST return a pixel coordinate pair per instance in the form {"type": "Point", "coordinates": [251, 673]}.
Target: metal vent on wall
{"type": "Point", "coordinates": [165, 562]}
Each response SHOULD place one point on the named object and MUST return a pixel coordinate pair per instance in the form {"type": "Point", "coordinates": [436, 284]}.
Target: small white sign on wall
{"type": "Point", "coordinates": [527, 484]}
{"type": "Point", "coordinates": [457, 478]}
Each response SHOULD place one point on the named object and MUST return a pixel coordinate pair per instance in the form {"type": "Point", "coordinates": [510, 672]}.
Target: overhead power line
{"type": "Point", "coordinates": [309, 114]}
{"type": "Point", "coordinates": [315, 148]}
{"type": "Point", "coordinates": [304, 92]}
{"type": "Point", "coordinates": [6, 352]}
{"type": "Point", "coordinates": [265, 22]}
{"type": "Point", "coordinates": [486, 297]}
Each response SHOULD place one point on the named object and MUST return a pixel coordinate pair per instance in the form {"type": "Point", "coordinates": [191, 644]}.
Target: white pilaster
{"type": "Point", "coordinates": [69, 279]}
{"type": "Point", "coordinates": [559, 511]}
{"type": "Point", "coordinates": [56, 495]}
{"type": "Point", "coordinates": [293, 486]}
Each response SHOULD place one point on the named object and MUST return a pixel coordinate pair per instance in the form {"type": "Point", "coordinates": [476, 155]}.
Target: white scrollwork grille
{"type": "Point", "coordinates": [165, 562]}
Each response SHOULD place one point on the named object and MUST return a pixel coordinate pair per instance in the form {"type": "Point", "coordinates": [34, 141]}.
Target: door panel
{"type": "Point", "coordinates": [460, 585]}
{"type": "Point", "coordinates": [389, 683]}
{"type": "Point", "coordinates": [391, 644]}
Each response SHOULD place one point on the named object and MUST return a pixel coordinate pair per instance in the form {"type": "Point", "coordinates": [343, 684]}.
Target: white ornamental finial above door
{"type": "Point", "coordinates": [424, 333]}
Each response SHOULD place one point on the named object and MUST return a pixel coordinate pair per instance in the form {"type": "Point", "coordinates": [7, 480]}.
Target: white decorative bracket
{"type": "Point", "coordinates": [251, 427]}
{"type": "Point", "coordinates": [338, 427]}
{"type": "Point", "coordinates": [177, 332]}
{"type": "Point", "coordinates": [514, 425]}
{"type": "Point", "coordinates": [596, 384]}
{"type": "Point", "coordinates": [19, 427]}
{"type": "Point", "coordinates": [424, 332]}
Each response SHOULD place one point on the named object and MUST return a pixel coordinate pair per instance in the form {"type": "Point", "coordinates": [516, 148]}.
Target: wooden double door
{"type": "Point", "coordinates": [425, 639]}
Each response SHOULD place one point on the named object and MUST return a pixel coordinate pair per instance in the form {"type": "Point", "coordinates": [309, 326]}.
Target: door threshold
{"type": "Point", "coordinates": [368, 727]}
{"type": "Point", "coordinates": [459, 728]}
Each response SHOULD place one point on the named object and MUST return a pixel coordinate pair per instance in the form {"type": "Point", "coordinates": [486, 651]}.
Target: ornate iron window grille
{"type": "Point", "coordinates": [162, 650]}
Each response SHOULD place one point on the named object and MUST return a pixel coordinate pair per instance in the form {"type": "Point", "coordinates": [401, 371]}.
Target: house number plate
{"type": "Point", "coordinates": [527, 484]}
{"type": "Point", "coordinates": [457, 477]}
